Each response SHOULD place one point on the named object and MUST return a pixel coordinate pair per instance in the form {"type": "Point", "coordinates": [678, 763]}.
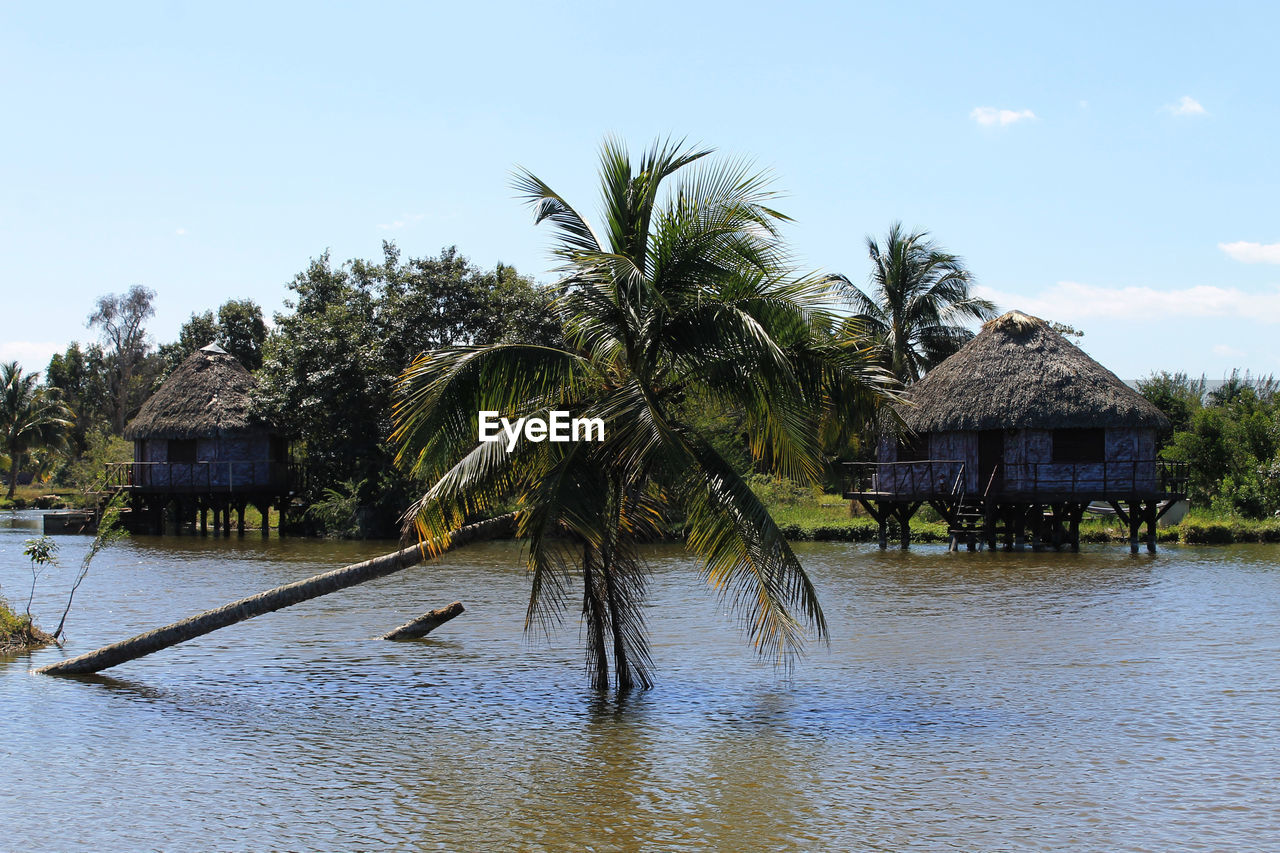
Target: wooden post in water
{"type": "Point", "coordinates": [271, 600]}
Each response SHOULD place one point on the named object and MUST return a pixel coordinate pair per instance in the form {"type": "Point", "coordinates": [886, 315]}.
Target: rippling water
{"type": "Point", "coordinates": [984, 701]}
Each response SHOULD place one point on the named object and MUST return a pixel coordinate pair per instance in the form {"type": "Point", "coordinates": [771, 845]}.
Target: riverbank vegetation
{"type": "Point", "coordinates": [327, 367]}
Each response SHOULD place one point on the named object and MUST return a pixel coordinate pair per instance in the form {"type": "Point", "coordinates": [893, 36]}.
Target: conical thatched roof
{"type": "Point", "coordinates": [207, 395]}
{"type": "Point", "coordinates": [1018, 373]}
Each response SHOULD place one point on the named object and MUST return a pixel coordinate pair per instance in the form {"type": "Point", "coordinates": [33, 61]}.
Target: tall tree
{"type": "Point", "coordinates": [242, 331]}
{"type": "Point", "coordinates": [121, 321]}
{"type": "Point", "coordinates": [330, 366]}
{"type": "Point", "coordinates": [81, 377]}
{"type": "Point", "coordinates": [30, 415]}
{"type": "Point", "coordinates": [682, 296]}
{"type": "Point", "coordinates": [917, 304]}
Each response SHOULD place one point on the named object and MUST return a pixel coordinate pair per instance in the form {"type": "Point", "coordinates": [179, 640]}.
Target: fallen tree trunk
{"type": "Point", "coordinates": [269, 601]}
{"type": "Point", "coordinates": [424, 624]}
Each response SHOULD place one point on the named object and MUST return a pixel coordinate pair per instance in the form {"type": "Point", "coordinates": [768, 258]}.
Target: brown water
{"type": "Point", "coordinates": [1092, 701]}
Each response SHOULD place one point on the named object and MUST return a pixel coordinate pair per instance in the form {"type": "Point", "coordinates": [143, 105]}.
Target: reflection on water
{"type": "Point", "coordinates": [965, 701]}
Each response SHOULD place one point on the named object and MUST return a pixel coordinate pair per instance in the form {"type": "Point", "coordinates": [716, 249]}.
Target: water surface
{"type": "Point", "coordinates": [986, 701]}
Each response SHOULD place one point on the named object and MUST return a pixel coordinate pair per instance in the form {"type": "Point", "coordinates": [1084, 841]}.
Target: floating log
{"type": "Point", "coordinates": [269, 601]}
{"type": "Point", "coordinates": [424, 624]}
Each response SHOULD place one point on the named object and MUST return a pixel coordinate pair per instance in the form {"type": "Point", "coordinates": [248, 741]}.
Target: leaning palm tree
{"type": "Point", "coordinates": [918, 302]}
{"type": "Point", "coordinates": [30, 416]}
{"type": "Point", "coordinates": [679, 293]}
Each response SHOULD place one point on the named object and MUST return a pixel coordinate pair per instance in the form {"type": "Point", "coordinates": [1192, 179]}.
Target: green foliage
{"type": "Point", "coordinates": [80, 375]}
{"type": "Point", "coordinates": [1175, 394]}
{"type": "Point", "coordinates": [1231, 444]}
{"type": "Point", "coordinates": [86, 471]}
{"type": "Point", "coordinates": [917, 305]}
{"type": "Point", "coordinates": [31, 416]}
{"type": "Point", "coordinates": [330, 366]}
{"type": "Point", "coordinates": [338, 510]}
{"type": "Point", "coordinates": [18, 631]}
{"type": "Point", "coordinates": [238, 327]}
{"type": "Point", "coordinates": [242, 331]}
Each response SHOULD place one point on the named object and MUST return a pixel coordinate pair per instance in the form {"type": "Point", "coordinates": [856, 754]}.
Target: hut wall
{"type": "Point", "coordinates": [241, 460]}
{"type": "Point", "coordinates": [1129, 454]}
{"type": "Point", "coordinates": [932, 476]}
{"type": "Point", "coordinates": [958, 447]}
{"type": "Point", "coordinates": [221, 462]}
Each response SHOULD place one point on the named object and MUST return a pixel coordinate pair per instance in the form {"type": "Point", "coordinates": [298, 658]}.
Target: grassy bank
{"type": "Point", "coordinates": [39, 497]}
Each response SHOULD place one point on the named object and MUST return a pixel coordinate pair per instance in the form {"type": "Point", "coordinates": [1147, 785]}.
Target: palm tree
{"type": "Point", "coordinates": [30, 416]}
{"type": "Point", "coordinates": [918, 302]}
{"type": "Point", "coordinates": [680, 294]}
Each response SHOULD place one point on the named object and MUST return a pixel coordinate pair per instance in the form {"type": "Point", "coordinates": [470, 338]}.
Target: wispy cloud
{"type": "Point", "coordinates": [1187, 106]}
{"type": "Point", "coordinates": [1229, 351]}
{"type": "Point", "coordinates": [1252, 253]}
{"type": "Point", "coordinates": [397, 224]}
{"type": "Point", "coordinates": [181, 232]}
{"type": "Point", "coordinates": [989, 116]}
{"type": "Point", "coordinates": [1067, 301]}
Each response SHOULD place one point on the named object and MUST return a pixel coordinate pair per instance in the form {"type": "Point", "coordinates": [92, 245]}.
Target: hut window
{"type": "Point", "coordinates": [182, 450]}
{"type": "Point", "coordinates": [1079, 445]}
{"type": "Point", "coordinates": [913, 448]}
{"type": "Point", "coordinates": [279, 449]}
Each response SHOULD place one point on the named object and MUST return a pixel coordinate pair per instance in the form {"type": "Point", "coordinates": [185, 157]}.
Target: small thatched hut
{"type": "Point", "coordinates": [197, 441]}
{"type": "Point", "coordinates": [1024, 405]}
{"type": "Point", "coordinates": [1019, 431]}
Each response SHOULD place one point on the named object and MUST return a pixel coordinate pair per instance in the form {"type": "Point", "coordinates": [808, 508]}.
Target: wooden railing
{"type": "Point", "coordinates": [221, 476]}
{"type": "Point", "coordinates": [936, 478]}
{"type": "Point", "coordinates": [928, 478]}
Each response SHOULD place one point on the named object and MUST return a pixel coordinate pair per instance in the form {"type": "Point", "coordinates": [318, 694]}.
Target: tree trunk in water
{"type": "Point", "coordinates": [269, 601]}
{"type": "Point", "coordinates": [424, 624]}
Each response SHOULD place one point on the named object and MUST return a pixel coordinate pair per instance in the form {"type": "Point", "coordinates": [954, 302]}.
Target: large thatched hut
{"type": "Point", "coordinates": [1020, 421]}
{"type": "Point", "coordinates": [199, 447]}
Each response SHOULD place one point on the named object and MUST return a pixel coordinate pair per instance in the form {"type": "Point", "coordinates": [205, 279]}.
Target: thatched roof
{"type": "Point", "coordinates": [1018, 373]}
{"type": "Point", "coordinates": [207, 395]}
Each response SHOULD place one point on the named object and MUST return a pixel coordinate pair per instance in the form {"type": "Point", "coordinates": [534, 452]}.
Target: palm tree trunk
{"type": "Point", "coordinates": [267, 602]}
{"type": "Point", "coordinates": [15, 464]}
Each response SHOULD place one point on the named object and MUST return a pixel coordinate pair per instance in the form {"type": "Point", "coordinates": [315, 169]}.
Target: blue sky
{"type": "Point", "coordinates": [1110, 168]}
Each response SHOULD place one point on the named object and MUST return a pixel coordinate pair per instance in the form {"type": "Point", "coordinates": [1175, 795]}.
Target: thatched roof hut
{"type": "Point", "coordinates": [1018, 373]}
{"type": "Point", "coordinates": [207, 396]}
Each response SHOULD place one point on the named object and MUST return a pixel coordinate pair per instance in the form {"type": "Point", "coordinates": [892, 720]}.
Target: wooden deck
{"type": "Point", "coordinates": [1040, 504]}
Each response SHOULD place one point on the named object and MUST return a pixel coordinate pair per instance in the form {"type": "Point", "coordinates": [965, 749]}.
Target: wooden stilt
{"type": "Point", "coordinates": [240, 518]}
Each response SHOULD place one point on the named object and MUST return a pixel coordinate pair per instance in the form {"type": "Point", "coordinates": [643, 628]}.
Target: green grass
{"type": "Point", "coordinates": [32, 495]}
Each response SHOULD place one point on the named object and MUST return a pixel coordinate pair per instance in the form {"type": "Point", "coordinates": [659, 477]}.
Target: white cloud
{"type": "Point", "coordinates": [1229, 352]}
{"type": "Point", "coordinates": [180, 232]}
{"type": "Point", "coordinates": [1252, 253]}
{"type": "Point", "coordinates": [32, 355]}
{"type": "Point", "coordinates": [1070, 301]}
{"type": "Point", "coordinates": [988, 116]}
{"type": "Point", "coordinates": [1187, 106]}
{"type": "Point", "coordinates": [405, 219]}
